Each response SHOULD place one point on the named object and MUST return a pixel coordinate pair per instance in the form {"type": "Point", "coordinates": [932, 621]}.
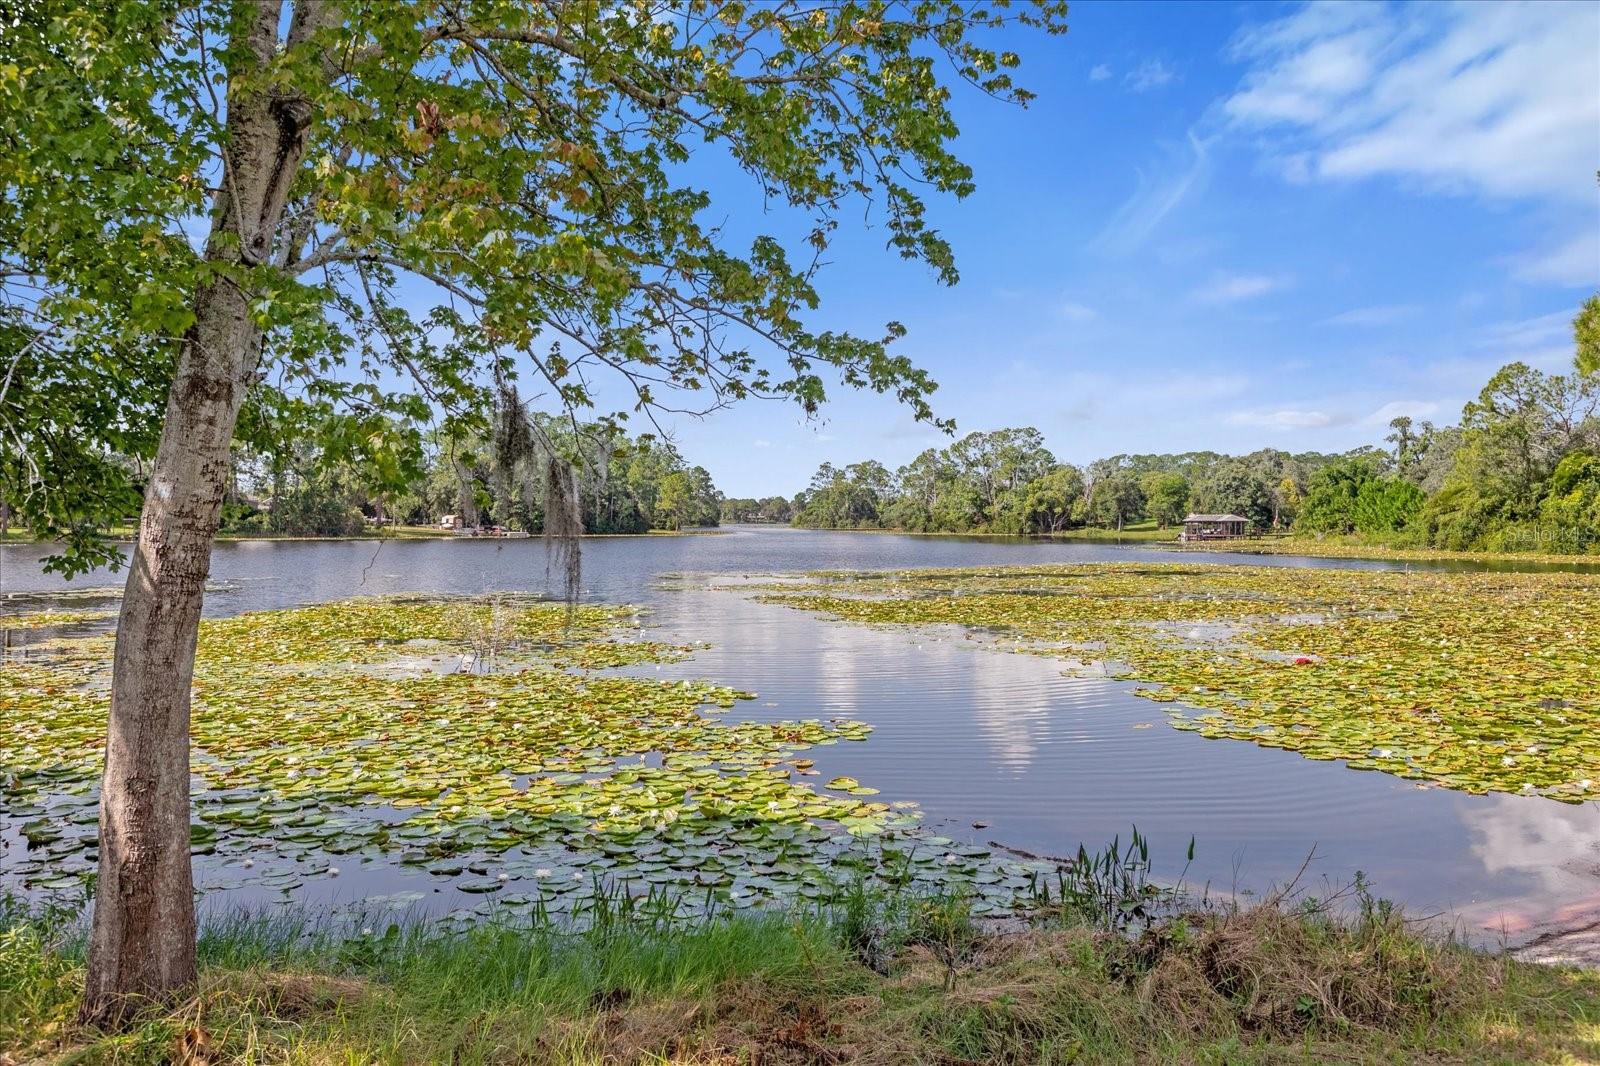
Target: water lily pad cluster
{"type": "Point", "coordinates": [1477, 681]}
{"type": "Point", "coordinates": [51, 619]}
{"type": "Point", "coordinates": [376, 731]}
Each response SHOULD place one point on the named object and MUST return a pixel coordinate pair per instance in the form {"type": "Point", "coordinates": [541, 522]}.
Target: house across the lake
{"type": "Point", "coordinates": [1214, 526]}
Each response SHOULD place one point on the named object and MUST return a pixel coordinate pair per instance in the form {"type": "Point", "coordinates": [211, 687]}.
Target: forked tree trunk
{"type": "Point", "coordinates": [142, 946]}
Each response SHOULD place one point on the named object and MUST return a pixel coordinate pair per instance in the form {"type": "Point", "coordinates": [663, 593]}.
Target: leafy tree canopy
{"type": "Point", "coordinates": [492, 190]}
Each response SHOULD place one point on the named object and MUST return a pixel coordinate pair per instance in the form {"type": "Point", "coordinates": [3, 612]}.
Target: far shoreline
{"type": "Point", "coordinates": [1160, 540]}
{"type": "Point", "coordinates": [126, 537]}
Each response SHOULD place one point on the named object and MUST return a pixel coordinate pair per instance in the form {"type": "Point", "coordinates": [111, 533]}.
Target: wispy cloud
{"type": "Point", "coordinates": [1076, 312]}
{"type": "Point", "coordinates": [1099, 72]}
{"type": "Point", "coordinates": [1401, 409]}
{"type": "Point", "coordinates": [1529, 333]}
{"type": "Point", "coordinates": [1151, 74]}
{"type": "Point", "coordinates": [1377, 315]}
{"type": "Point", "coordinates": [1489, 98]}
{"type": "Point", "coordinates": [1154, 199]}
{"type": "Point", "coordinates": [1231, 288]}
{"type": "Point", "coordinates": [1575, 262]}
{"type": "Point", "coordinates": [1544, 342]}
{"type": "Point", "coordinates": [1286, 419]}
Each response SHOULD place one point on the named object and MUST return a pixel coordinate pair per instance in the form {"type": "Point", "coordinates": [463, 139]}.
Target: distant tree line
{"type": "Point", "coordinates": [768, 509]}
{"type": "Point", "coordinates": [626, 485]}
{"type": "Point", "coordinates": [1007, 481]}
{"type": "Point", "coordinates": [1520, 472]}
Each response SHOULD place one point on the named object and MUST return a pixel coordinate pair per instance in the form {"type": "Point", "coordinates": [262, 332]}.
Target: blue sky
{"type": "Point", "coordinates": [1228, 226]}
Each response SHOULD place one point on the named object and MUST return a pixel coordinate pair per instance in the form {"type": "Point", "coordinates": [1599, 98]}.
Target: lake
{"type": "Point", "coordinates": [1038, 760]}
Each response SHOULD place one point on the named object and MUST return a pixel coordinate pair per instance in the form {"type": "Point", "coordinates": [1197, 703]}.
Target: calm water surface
{"type": "Point", "coordinates": [977, 735]}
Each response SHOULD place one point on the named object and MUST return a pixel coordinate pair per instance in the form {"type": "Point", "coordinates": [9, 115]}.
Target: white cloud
{"type": "Point", "coordinates": [761, 443]}
{"type": "Point", "coordinates": [1151, 74]}
{"type": "Point", "coordinates": [1286, 419]}
{"type": "Point", "coordinates": [1377, 315]}
{"type": "Point", "coordinates": [1231, 288]}
{"type": "Point", "coordinates": [1490, 98]}
{"type": "Point", "coordinates": [1184, 388]}
{"type": "Point", "coordinates": [1544, 342]}
{"type": "Point", "coordinates": [1401, 409]}
{"type": "Point", "coordinates": [1099, 72]}
{"type": "Point", "coordinates": [1532, 333]}
{"type": "Point", "coordinates": [1152, 201]}
{"type": "Point", "coordinates": [1575, 263]}
{"type": "Point", "coordinates": [1076, 312]}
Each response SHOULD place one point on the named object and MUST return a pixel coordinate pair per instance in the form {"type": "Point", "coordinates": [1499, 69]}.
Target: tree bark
{"type": "Point", "coordinates": [142, 945]}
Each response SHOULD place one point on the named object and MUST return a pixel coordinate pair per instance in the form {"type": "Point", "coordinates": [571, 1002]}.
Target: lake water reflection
{"type": "Point", "coordinates": [976, 735]}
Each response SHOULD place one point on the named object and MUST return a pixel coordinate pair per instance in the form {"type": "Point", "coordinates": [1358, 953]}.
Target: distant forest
{"type": "Point", "coordinates": [1521, 471]}
{"type": "Point", "coordinates": [628, 484]}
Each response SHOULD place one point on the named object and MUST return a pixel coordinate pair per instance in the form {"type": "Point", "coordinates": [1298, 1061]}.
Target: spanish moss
{"type": "Point", "coordinates": [563, 524]}
{"type": "Point", "coordinates": [524, 452]}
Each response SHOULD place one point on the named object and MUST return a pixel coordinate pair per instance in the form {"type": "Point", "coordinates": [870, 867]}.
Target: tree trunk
{"type": "Point", "coordinates": [142, 945]}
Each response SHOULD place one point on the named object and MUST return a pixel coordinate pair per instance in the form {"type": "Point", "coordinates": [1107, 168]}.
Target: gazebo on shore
{"type": "Point", "coordinates": [1214, 526]}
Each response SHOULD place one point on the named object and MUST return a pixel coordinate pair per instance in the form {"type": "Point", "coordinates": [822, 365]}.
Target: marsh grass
{"type": "Point", "coordinates": [877, 977]}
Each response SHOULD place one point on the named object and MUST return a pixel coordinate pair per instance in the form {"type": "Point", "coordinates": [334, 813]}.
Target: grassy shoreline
{"type": "Point", "coordinates": [1140, 532]}
{"type": "Point", "coordinates": [875, 982]}
{"type": "Point", "coordinates": [1146, 534]}
{"type": "Point", "coordinates": [1354, 548]}
{"type": "Point", "coordinates": [125, 534]}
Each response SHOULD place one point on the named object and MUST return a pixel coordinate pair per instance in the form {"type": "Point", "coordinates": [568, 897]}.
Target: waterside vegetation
{"type": "Point", "coordinates": [1520, 473]}
{"type": "Point", "coordinates": [1474, 681]}
{"type": "Point", "coordinates": [885, 980]}
{"type": "Point", "coordinates": [491, 745]}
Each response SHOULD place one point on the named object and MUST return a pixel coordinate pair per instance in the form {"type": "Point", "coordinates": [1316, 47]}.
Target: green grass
{"type": "Point", "coordinates": [1133, 531]}
{"type": "Point", "coordinates": [1268, 985]}
{"type": "Point", "coordinates": [1359, 547]}
{"type": "Point", "coordinates": [22, 536]}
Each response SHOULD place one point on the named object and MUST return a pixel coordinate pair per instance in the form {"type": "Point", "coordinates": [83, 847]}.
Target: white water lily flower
{"type": "Point", "coordinates": [502, 876]}
{"type": "Point", "coordinates": [333, 871]}
{"type": "Point", "coordinates": [249, 863]}
{"type": "Point", "coordinates": [366, 931]}
{"type": "Point", "coordinates": [541, 873]}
